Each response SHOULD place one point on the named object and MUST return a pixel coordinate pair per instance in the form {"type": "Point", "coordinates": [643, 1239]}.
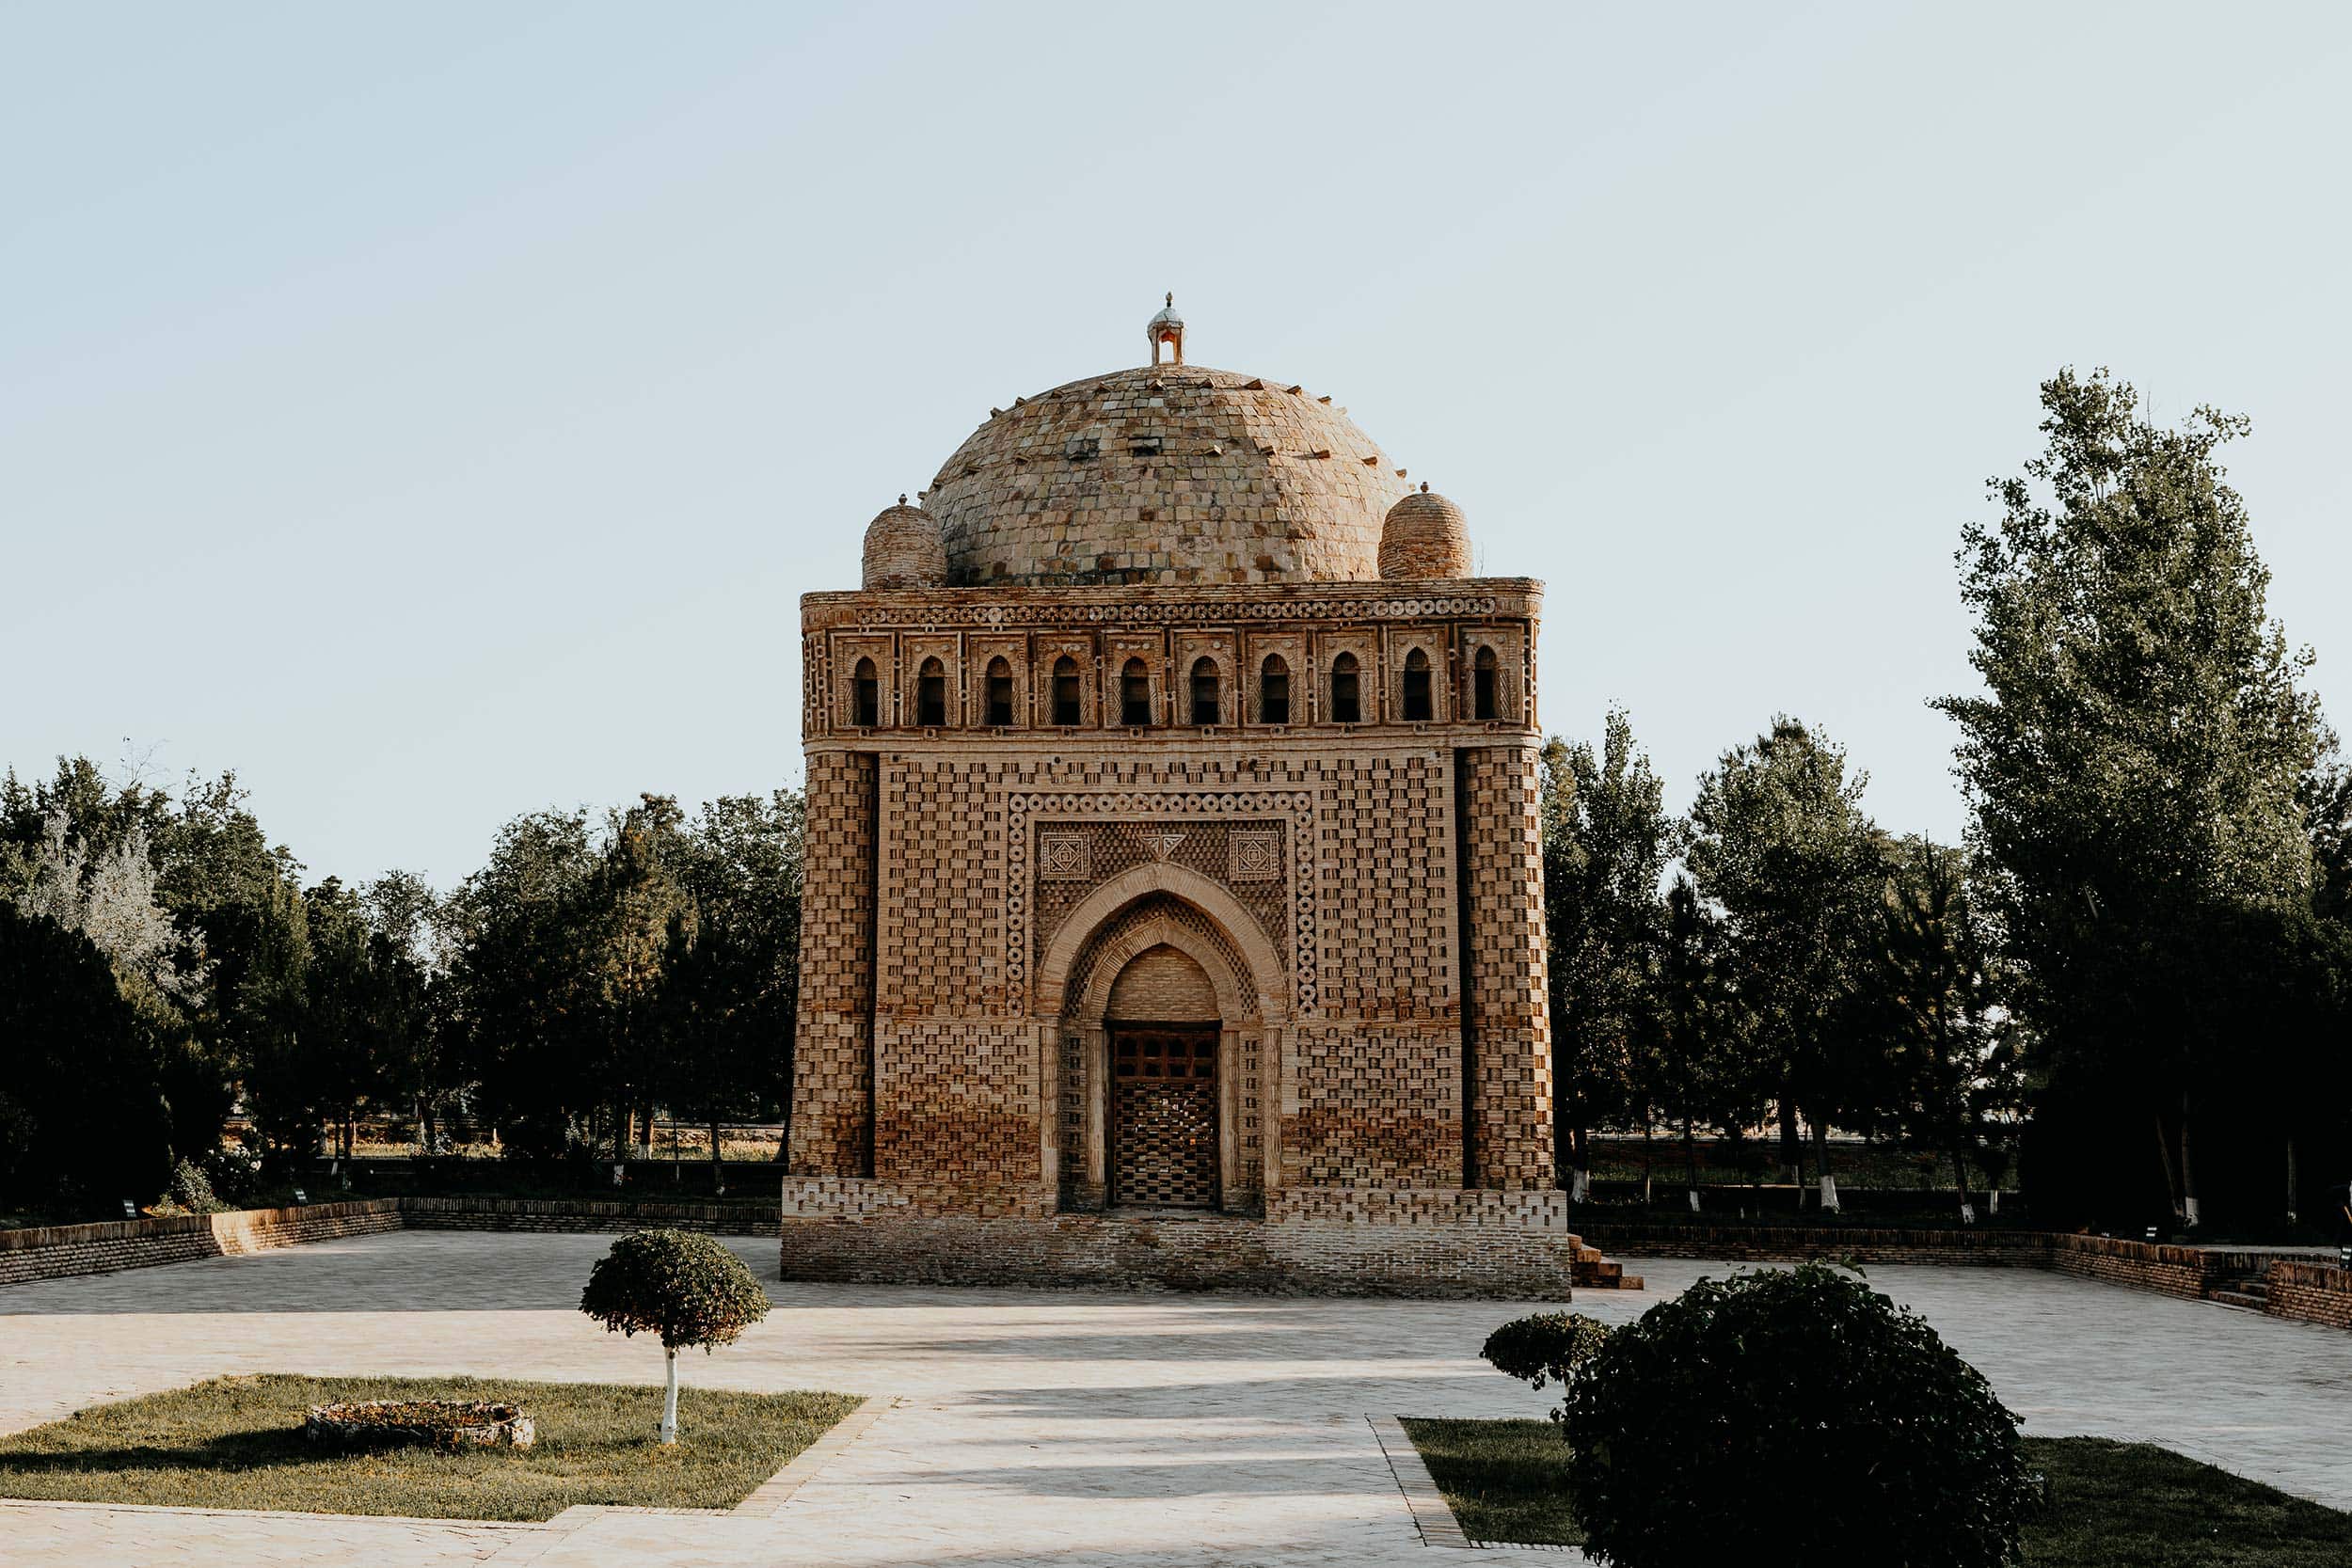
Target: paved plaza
{"type": "Point", "coordinates": [1038, 1427]}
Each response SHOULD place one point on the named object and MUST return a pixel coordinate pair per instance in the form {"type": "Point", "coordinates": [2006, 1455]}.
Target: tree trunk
{"type": "Point", "coordinates": [2293, 1188]}
{"type": "Point", "coordinates": [1821, 1161]}
{"type": "Point", "coordinates": [668, 1397]}
{"type": "Point", "coordinates": [2189, 1216]}
{"type": "Point", "coordinates": [1960, 1177]}
{"type": "Point", "coordinates": [1690, 1160]}
{"type": "Point", "coordinates": [2171, 1179]}
{"type": "Point", "coordinates": [1792, 1147]}
{"type": "Point", "coordinates": [718, 1167]}
{"type": "Point", "coordinates": [1649, 1160]}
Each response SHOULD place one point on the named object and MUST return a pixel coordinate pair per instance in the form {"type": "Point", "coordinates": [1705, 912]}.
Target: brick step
{"type": "Point", "coordinates": [2256, 1301]}
{"type": "Point", "coordinates": [1594, 1272]}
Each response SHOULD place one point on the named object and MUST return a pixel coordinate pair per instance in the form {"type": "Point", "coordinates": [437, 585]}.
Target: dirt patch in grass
{"type": "Point", "coordinates": [237, 1442]}
{"type": "Point", "coordinates": [2112, 1505]}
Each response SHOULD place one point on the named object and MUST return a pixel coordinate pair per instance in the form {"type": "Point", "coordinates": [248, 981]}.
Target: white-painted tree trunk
{"type": "Point", "coordinates": [1994, 1199]}
{"type": "Point", "coordinates": [1967, 1213]}
{"type": "Point", "coordinates": [669, 1399]}
{"type": "Point", "coordinates": [1694, 1199]}
{"type": "Point", "coordinates": [1580, 1185]}
{"type": "Point", "coordinates": [1829, 1194]}
{"type": "Point", "coordinates": [2189, 1214]}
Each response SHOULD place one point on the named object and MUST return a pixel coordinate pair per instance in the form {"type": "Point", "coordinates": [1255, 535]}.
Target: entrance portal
{"type": "Point", "coordinates": [1164, 1115]}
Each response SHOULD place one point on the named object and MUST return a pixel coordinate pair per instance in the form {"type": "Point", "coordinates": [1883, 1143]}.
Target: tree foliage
{"type": "Point", "coordinates": [683, 1288]}
{"type": "Point", "coordinates": [1779, 846]}
{"type": "Point", "coordinates": [1606, 842]}
{"type": "Point", "coordinates": [2143, 762]}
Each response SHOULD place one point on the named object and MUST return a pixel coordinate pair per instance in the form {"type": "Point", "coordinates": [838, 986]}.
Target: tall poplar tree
{"type": "Point", "coordinates": [2138, 762]}
{"type": "Point", "coordinates": [1606, 841]}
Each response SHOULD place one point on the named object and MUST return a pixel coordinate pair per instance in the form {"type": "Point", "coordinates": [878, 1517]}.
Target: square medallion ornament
{"type": "Point", "coordinates": [1064, 858]}
{"type": "Point", "coordinates": [1256, 857]}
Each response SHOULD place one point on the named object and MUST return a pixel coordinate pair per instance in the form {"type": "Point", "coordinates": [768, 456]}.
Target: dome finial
{"type": "Point", "coordinates": [1167, 328]}
{"type": "Point", "coordinates": [903, 496]}
{"type": "Point", "coordinates": [1425, 489]}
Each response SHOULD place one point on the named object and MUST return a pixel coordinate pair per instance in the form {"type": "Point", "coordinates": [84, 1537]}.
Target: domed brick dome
{"type": "Point", "coordinates": [1426, 536]}
{"type": "Point", "coordinates": [1165, 474]}
{"type": "Point", "coordinates": [903, 549]}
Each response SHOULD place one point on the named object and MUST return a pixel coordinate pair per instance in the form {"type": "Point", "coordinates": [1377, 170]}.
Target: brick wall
{"type": "Point", "coordinates": [1795, 1244]}
{"type": "Point", "coordinates": [2310, 1293]}
{"type": "Point", "coordinates": [109, 1246]}
{"type": "Point", "coordinates": [573, 1215]}
{"type": "Point", "coordinates": [1443, 1243]}
{"type": "Point", "coordinates": [2176, 1271]}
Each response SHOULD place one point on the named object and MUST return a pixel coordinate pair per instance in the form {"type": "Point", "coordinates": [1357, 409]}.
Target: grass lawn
{"type": "Point", "coordinates": [2113, 1505]}
{"type": "Point", "coordinates": [237, 1442]}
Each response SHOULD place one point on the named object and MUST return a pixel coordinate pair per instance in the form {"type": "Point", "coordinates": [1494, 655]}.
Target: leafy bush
{"type": "Point", "coordinates": [1547, 1348]}
{"type": "Point", "coordinates": [685, 1288]}
{"type": "Point", "coordinates": [235, 1174]}
{"type": "Point", "coordinates": [190, 1191]}
{"type": "Point", "coordinates": [1792, 1418]}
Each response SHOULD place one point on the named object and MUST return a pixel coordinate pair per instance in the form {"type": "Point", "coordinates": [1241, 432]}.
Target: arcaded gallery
{"type": "Point", "coordinates": [1174, 906]}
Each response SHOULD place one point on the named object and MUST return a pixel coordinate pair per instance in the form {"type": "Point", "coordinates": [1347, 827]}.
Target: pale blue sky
{"type": "Point", "coordinates": [435, 411]}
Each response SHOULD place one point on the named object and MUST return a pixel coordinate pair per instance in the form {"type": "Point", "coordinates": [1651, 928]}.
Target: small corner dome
{"type": "Point", "coordinates": [903, 549]}
{"type": "Point", "coordinates": [1426, 536]}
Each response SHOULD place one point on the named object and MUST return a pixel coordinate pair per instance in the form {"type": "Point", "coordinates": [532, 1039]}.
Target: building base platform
{"type": "Point", "coordinates": [1318, 1241]}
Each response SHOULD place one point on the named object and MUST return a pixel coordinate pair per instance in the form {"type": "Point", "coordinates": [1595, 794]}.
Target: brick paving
{"type": "Point", "coordinates": [1089, 1431]}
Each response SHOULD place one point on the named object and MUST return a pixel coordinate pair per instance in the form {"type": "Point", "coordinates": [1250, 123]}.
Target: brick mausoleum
{"type": "Point", "coordinates": [1173, 907]}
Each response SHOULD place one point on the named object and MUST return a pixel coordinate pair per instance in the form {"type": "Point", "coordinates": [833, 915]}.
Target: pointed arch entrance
{"type": "Point", "coordinates": [1160, 992]}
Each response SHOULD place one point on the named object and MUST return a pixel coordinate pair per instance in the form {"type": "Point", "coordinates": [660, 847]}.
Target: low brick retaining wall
{"type": "Point", "coordinates": [2310, 1293]}
{"type": "Point", "coordinates": [1791, 1243]}
{"type": "Point", "coordinates": [2175, 1270]}
{"type": "Point", "coordinates": [574, 1215]}
{"type": "Point", "coordinates": [53, 1252]}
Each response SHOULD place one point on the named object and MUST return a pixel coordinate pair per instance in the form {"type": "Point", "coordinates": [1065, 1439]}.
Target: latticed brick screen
{"type": "Point", "coordinates": [1164, 1119]}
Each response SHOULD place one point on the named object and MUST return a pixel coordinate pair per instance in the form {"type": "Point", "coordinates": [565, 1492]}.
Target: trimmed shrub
{"type": "Point", "coordinates": [1794, 1417]}
{"type": "Point", "coordinates": [1547, 1348]}
{"type": "Point", "coordinates": [684, 1288]}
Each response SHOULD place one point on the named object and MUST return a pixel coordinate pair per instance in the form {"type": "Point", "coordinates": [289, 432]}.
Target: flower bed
{"type": "Point", "coordinates": [439, 1423]}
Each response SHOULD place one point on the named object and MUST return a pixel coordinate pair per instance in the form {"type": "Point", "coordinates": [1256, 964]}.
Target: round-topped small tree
{"type": "Point", "coordinates": [1791, 1416]}
{"type": "Point", "coordinates": [685, 1288]}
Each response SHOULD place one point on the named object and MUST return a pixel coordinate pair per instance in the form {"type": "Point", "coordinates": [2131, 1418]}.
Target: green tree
{"type": "Point", "coordinates": [1690, 1061]}
{"type": "Point", "coordinates": [636, 916]}
{"type": "Point", "coordinates": [1939, 1001]}
{"type": "Point", "coordinates": [81, 1093]}
{"type": "Point", "coordinates": [1606, 841]}
{"type": "Point", "coordinates": [520, 1000]}
{"type": "Point", "coordinates": [1778, 842]}
{"type": "Point", "coordinates": [732, 983]}
{"type": "Point", "coordinates": [2138, 764]}
{"type": "Point", "coordinates": [685, 1289]}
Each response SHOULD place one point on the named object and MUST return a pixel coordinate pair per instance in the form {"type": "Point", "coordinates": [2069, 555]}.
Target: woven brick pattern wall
{"type": "Point", "coordinates": [833, 1056]}
{"type": "Point", "coordinates": [57, 1251]}
{"type": "Point", "coordinates": [1511, 1050]}
{"type": "Point", "coordinates": [1378, 1105]}
{"type": "Point", "coordinates": [957, 1103]}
